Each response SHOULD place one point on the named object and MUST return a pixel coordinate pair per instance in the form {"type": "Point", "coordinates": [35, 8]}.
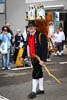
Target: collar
{"type": "Point", "coordinates": [33, 33]}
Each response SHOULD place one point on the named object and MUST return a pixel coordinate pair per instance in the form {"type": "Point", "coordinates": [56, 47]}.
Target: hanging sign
{"type": "Point", "coordinates": [56, 16]}
{"type": "Point", "coordinates": [34, 1]}
{"type": "Point", "coordinates": [51, 28]}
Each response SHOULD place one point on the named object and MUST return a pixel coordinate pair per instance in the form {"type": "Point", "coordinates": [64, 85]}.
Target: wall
{"type": "Point", "coordinates": [2, 21]}
{"type": "Point", "coordinates": [16, 14]}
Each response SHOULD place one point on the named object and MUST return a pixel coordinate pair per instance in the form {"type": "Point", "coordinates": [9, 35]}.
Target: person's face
{"type": "Point", "coordinates": [31, 29]}
{"type": "Point", "coordinates": [27, 29]}
{"type": "Point", "coordinates": [57, 31]}
{"type": "Point", "coordinates": [8, 25]}
{"type": "Point", "coordinates": [5, 32]}
{"type": "Point", "coordinates": [19, 33]}
{"type": "Point", "coordinates": [60, 29]}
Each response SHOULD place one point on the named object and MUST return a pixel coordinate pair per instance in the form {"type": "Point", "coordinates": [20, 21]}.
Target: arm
{"type": "Point", "coordinates": [1, 36]}
{"type": "Point", "coordinates": [10, 31]}
{"type": "Point", "coordinates": [9, 36]}
{"type": "Point", "coordinates": [22, 40]}
{"type": "Point", "coordinates": [44, 47]}
{"type": "Point", "coordinates": [16, 40]}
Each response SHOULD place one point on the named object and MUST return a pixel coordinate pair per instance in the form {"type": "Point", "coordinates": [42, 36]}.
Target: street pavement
{"type": "Point", "coordinates": [16, 84]}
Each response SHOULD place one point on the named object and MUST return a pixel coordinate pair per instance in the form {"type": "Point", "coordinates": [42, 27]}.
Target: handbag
{"type": "Point", "coordinates": [21, 45]}
{"type": "Point", "coordinates": [4, 48]}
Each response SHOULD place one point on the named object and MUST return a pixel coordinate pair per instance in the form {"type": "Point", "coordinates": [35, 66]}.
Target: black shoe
{"type": "Point", "coordinates": [39, 92]}
{"type": "Point", "coordinates": [31, 95]}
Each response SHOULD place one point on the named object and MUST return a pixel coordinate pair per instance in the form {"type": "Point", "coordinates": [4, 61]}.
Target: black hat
{"type": "Point", "coordinates": [4, 28]}
{"type": "Point", "coordinates": [31, 23]}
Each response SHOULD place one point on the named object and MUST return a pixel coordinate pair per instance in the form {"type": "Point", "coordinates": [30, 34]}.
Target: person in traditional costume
{"type": "Point", "coordinates": [37, 45]}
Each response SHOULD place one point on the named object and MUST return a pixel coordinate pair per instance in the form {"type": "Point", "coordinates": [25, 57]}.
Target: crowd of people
{"type": "Point", "coordinates": [14, 43]}
{"type": "Point", "coordinates": [36, 46]}
{"type": "Point", "coordinates": [9, 41]}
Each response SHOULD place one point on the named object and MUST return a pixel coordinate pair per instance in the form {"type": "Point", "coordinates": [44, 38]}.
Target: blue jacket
{"type": "Point", "coordinates": [5, 38]}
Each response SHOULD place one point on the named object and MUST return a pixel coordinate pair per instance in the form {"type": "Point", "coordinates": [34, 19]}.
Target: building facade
{"type": "Point", "coordinates": [16, 12]}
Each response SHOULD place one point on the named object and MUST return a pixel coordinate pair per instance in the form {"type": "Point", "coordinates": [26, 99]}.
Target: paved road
{"type": "Point", "coordinates": [16, 84]}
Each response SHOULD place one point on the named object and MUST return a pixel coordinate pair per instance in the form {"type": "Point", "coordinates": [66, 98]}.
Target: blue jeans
{"type": "Point", "coordinates": [59, 46]}
{"type": "Point", "coordinates": [5, 60]}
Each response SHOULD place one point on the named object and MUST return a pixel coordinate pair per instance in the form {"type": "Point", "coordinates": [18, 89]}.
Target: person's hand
{"type": "Point", "coordinates": [21, 60]}
{"type": "Point", "coordinates": [5, 33]}
{"type": "Point", "coordinates": [19, 41]}
{"type": "Point", "coordinates": [12, 36]}
{"type": "Point", "coordinates": [41, 62]}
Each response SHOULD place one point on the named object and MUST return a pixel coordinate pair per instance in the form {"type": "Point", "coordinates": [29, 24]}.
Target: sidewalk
{"type": "Point", "coordinates": [14, 65]}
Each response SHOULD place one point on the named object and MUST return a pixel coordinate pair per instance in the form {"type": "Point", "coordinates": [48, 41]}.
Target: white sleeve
{"type": "Point", "coordinates": [25, 35]}
{"type": "Point", "coordinates": [63, 36]}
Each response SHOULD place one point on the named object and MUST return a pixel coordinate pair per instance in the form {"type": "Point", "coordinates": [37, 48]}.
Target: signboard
{"type": "Point", "coordinates": [2, 1]}
{"type": "Point", "coordinates": [51, 29]}
{"type": "Point", "coordinates": [34, 1]}
{"type": "Point", "coordinates": [56, 16]}
{"type": "Point", "coordinates": [2, 6]}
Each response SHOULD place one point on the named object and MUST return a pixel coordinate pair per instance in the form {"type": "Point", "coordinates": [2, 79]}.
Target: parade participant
{"type": "Point", "coordinates": [39, 47]}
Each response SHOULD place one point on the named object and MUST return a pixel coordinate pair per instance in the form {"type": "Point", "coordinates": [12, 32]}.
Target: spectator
{"type": "Point", "coordinates": [18, 38]}
{"type": "Point", "coordinates": [5, 37]}
{"type": "Point", "coordinates": [10, 31]}
{"type": "Point", "coordinates": [12, 41]}
{"type": "Point", "coordinates": [63, 38]}
{"type": "Point", "coordinates": [58, 42]}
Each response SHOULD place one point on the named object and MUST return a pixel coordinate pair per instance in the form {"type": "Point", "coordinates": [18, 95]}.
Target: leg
{"type": "Point", "coordinates": [8, 59]}
{"type": "Point", "coordinates": [36, 74]}
{"type": "Point", "coordinates": [4, 61]}
{"type": "Point", "coordinates": [57, 45]}
{"type": "Point", "coordinates": [41, 84]}
{"type": "Point", "coordinates": [41, 88]}
{"type": "Point", "coordinates": [60, 48]}
{"type": "Point", "coordinates": [15, 54]}
{"type": "Point", "coordinates": [34, 85]}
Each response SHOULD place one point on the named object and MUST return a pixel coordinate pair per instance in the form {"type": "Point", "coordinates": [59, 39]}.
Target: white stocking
{"type": "Point", "coordinates": [34, 85]}
{"type": "Point", "coordinates": [41, 84]}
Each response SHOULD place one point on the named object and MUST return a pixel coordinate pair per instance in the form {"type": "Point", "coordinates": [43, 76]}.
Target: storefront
{"type": "Point", "coordinates": [55, 13]}
{"type": "Point", "coordinates": [60, 18]}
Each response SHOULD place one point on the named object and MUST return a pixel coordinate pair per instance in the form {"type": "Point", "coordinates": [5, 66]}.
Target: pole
{"type": "Point", "coordinates": [5, 13]}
